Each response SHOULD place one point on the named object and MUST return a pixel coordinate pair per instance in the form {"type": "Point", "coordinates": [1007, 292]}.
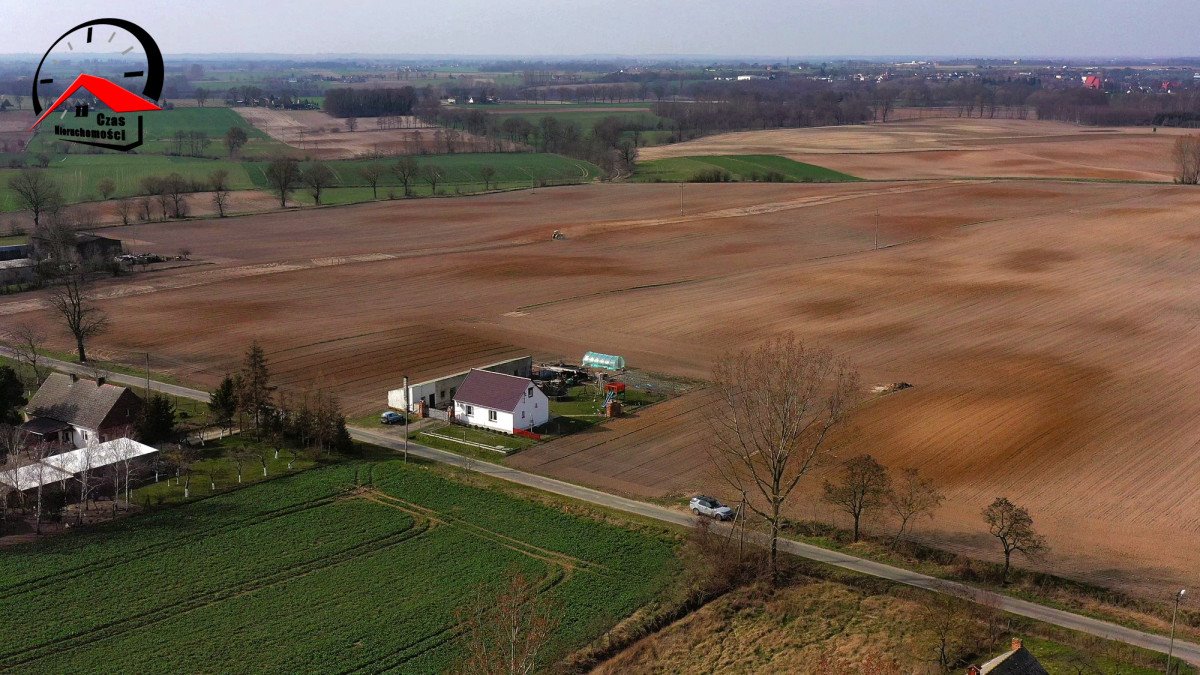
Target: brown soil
{"type": "Point", "coordinates": [1048, 328]}
{"type": "Point", "coordinates": [323, 136]}
{"type": "Point", "coordinates": [949, 148]}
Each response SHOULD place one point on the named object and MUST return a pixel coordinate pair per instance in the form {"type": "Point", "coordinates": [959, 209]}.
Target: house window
{"type": "Point", "coordinates": [522, 414]}
{"type": "Point", "coordinates": [470, 411]}
{"type": "Point", "coordinates": [491, 415]}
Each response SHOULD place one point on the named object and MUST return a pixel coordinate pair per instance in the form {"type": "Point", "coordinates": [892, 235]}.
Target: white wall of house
{"type": "Point", "coordinates": [533, 410]}
{"type": "Point", "coordinates": [476, 416]}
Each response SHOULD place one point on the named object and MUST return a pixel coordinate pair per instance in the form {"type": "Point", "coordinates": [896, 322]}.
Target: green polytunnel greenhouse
{"type": "Point", "coordinates": [603, 361]}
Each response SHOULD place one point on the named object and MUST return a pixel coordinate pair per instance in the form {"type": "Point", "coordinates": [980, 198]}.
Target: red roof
{"type": "Point", "coordinates": [496, 391]}
{"type": "Point", "coordinates": [120, 100]}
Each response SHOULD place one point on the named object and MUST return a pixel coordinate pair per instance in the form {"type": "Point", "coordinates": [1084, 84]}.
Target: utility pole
{"type": "Point", "coordinates": [681, 199]}
{"type": "Point", "coordinates": [147, 375]}
{"type": "Point", "coordinates": [407, 407]}
{"type": "Point", "coordinates": [1171, 648]}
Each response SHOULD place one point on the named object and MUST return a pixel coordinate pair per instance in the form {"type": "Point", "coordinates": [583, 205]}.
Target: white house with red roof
{"type": "Point", "coordinates": [500, 402]}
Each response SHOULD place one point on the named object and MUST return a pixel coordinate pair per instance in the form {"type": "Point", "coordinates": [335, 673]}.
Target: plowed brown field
{"type": "Point", "coordinates": [1049, 328]}
{"type": "Point", "coordinates": [956, 148]}
{"type": "Point", "coordinates": [324, 136]}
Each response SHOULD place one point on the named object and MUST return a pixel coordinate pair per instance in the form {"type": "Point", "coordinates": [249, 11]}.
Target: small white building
{"type": "Point", "coordinates": [500, 402]}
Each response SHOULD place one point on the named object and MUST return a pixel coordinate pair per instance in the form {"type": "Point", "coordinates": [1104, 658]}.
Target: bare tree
{"type": "Point", "coordinates": [218, 182]}
{"type": "Point", "coordinates": [36, 192]}
{"type": "Point", "coordinates": [155, 187]}
{"type": "Point", "coordinates": [507, 634]}
{"type": "Point", "coordinates": [317, 177]}
{"type": "Point", "coordinates": [351, 124]}
{"type": "Point", "coordinates": [864, 486]}
{"type": "Point", "coordinates": [235, 138]}
{"type": "Point", "coordinates": [431, 174]}
{"type": "Point", "coordinates": [40, 474]}
{"type": "Point", "coordinates": [242, 457]}
{"type": "Point", "coordinates": [144, 209]}
{"type": "Point", "coordinates": [911, 498]}
{"type": "Point", "coordinates": [71, 298]}
{"type": "Point", "coordinates": [778, 404]}
{"type": "Point", "coordinates": [283, 174]}
{"type": "Point", "coordinates": [488, 174]}
{"type": "Point", "coordinates": [182, 460]}
{"type": "Point", "coordinates": [106, 187]}
{"type": "Point", "coordinates": [88, 456]}
{"type": "Point", "coordinates": [25, 341]}
{"type": "Point", "coordinates": [176, 188]}
{"type": "Point", "coordinates": [125, 209]}
{"type": "Point", "coordinates": [124, 452]}
{"type": "Point", "coordinates": [1012, 526]}
{"type": "Point", "coordinates": [13, 440]}
{"type": "Point", "coordinates": [372, 173]}
{"type": "Point", "coordinates": [406, 169]}
{"type": "Point", "coordinates": [949, 631]}
{"type": "Point", "coordinates": [201, 96]}
{"type": "Point", "coordinates": [1186, 155]}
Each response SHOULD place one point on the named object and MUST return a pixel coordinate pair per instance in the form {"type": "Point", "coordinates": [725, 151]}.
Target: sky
{"type": "Point", "coordinates": [778, 28]}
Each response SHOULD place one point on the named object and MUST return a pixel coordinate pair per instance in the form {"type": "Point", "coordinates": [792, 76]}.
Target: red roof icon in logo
{"type": "Point", "coordinates": [119, 99]}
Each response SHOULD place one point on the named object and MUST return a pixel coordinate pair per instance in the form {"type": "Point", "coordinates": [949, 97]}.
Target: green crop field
{"type": "Point", "coordinates": [161, 126]}
{"type": "Point", "coordinates": [740, 167]}
{"type": "Point", "coordinates": [344, 568]}
{"type": "Point", "coordinates": [78, 175]}
{"type": "Point", "coordinates": [460, 173]}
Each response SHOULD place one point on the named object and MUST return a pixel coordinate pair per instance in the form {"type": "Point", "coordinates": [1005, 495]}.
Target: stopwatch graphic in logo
{"type": "Point", "coordinates": [111, 63]}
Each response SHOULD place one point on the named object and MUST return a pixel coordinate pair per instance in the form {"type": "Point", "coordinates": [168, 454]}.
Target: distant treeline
{"type": "Point", "coordinates": [610, 143]}
{"type": "Point", "coordinates": [1085, 106]}
{"type": "Point", "coordinates": [736, 111]}
{"type": "Point", "coordinates": [370, 102]}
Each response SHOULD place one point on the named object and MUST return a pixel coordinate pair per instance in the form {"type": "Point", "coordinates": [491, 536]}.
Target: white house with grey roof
{"type": "Point", "coordinates": [67, 409]}
{"type": "Point", "coordinates": [500, 402]}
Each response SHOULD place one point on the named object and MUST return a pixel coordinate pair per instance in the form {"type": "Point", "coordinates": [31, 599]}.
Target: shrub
{"type": "Point", "coordinates": [713, 175]}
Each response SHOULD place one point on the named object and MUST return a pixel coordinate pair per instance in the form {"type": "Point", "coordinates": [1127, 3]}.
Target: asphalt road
{"type": "Point", "coordinates": [1187, 651]}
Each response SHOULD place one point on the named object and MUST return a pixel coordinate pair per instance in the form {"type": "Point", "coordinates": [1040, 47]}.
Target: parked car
{"type": "Point", "coordinates": [391, 417]}
{"type": "Point", "coordinates": [707, 506]}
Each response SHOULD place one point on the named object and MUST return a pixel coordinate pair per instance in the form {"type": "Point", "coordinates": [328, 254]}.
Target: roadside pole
{"type": "Point", "coordinates": [407, 407]}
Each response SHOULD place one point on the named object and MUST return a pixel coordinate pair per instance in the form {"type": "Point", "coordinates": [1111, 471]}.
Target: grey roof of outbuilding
{"type": "Point", "coordinates": [44, 425]}
{"type": "Point", "coordinates": [80, 403]}
{"type": "Point", "coordinates": [492, 390]}
{"type": "Point", "coordinates": [1019, 662]}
